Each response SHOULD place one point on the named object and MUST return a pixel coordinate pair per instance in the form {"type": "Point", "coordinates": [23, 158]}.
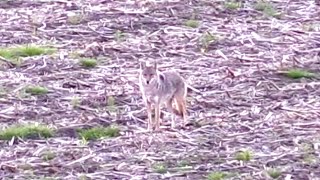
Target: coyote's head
{"type": "Point", "coordinates": [148, 72]}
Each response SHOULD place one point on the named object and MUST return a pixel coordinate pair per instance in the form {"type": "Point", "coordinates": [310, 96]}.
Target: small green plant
{"type": "Point", "coordinates": [3, 92]}
{"type": "Point", "coordinates": [266, 8]}
{"type": "Point", "coordinates": [25, 166]}
{"type": "Point", "coordinates": [207, 39]}
{"type": "Point", "coordinates": [26, 131]}
{"type": "Point", "coordinates": [232, 5]}
{"type": "Point", "coordinates": [311, 27]}
{"type": "Point", "coordinates": [160, 168]}
{"type": "Point", "coordinates": [119, 36]}
{"type": "Point", "coordinates": [111, 104]}
{"type": "Point", "coordinates": [84, 141]}
{"type": "Point", "coordinates": [75, 102]}
{"type": "Point", "coordinates": [274, 173]}
{"type": "Point", "coordinates": [99, 132]}
{"type": "Point", "coordinates": [183, 163]}
{"type": "Point", "coordinates": [192, 23]}
{"type": "Point", "coordinates": [75, 19]}
{"type": "Point", "coordinates": [88, 63]}
{"type": "Point", "coordinates": [48, 178]}
{"type": "Point", "coordinates": [111, 101]}
{"type": "Point", "coordinates": [216, 176]}
{"type": "Point", "coordinates": [244, 156]}
{"type": "Point", "coordinates": [306, 147]}
{"type": "Point", "coordinates": [36, 90]}
{"type": "Point", "coordinates": [310, 159]}
{"type": "Point", "coordinates": [75, 54]}
{"type": "Point", "coordinates": [298, 73]}
{"type": "Point", "coordinates": [83, 177]}
{"type": "Point", "coordinates": [48, 155]}
{"type": "Point", "coordinates": [24, 51]}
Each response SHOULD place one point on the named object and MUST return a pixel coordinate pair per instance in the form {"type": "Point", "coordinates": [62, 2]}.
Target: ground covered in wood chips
{"type": "Point", "coordinates": [234, 56]}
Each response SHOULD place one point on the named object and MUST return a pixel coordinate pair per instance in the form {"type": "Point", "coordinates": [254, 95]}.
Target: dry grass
{"type": "Point", "coordinates": [231, 52]}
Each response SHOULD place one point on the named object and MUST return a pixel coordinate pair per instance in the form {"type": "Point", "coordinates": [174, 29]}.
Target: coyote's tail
{"type": "Point", "coordinates": [181, 109]}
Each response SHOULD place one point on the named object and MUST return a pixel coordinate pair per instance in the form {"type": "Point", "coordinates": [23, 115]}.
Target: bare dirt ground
{"type": "Point", "coordinates": [247, 104]}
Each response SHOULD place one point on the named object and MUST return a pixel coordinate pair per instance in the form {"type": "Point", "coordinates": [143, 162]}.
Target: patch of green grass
{"type": "Point", "coordinates": [221, 175]}
{"type": "Point", "coordinates": [99, 132]}
{"type": "Point", "coordinates": [25, 166]}
{"type": "Point", "coordinates": [24, 51]}
{"type": "Point", "coordinates": [119, 36]}
{"type": "Point", "coordinates": [310, 159]}
{"type": "Point", "coordinates": [261, 5]}
{"type": "Point", "coordinates": [48, 155]}
{"type": "Point", "coordinates": [183, 163]}
{"type": "Point", "coordinates": [3, 92]}
{"type": "Point", "coordinates": [75, 19]}
{"type": "Point", "coordinates": [232, 5]}
{"type": "Point", "coordinates": [26, 131]}
{"type": "Point", "coordinates": [298, 73]}
{"type": "Point", "coordinates": [206, 39]}
{"type": "Point", "coordinates": [84, 141]}
{"type": "Point", "coordinates": [75, 102]}
{"type": "Point", "coordinates": [192, 23]}
{"type": "Point", "coordinates": [111, 104]}
{"type": "Point", "coordinates": [274, 173]}
{"type": "Point", "coordinates": [36, 90]}
{"type": "Point", "coordinates": [306, 147]}
{"type": "Point", "coordinates": [267, 8]}
{"type": "Point", "coordinates": [311, 27]}
{"type": "Point", "coordinates": [196, 124]}
{"type": "Point", "coordinates": [160, 168]}
{"type": "Point", "coordinates": [216, 176]}
{"type": "Point", "coordinates": [83, 177]}
{"type": "Point", "coordinates": [48, 178]}
{"type": "Point", "coordinates": [244, 156]}
{"type": "Point", "coordinates": [75, 54]}
{"type": "Point", "coordinates": [88, 63]}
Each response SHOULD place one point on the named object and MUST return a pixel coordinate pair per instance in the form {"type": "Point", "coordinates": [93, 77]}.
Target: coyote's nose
{"type": "Point", "coordinates": [147, 81]}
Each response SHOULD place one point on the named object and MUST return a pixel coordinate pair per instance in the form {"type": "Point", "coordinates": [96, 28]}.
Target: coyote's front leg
{"type": "Point", "coordinates": [157, 112]}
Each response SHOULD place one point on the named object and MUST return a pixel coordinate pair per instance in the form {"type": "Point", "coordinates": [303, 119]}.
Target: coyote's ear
{"type": "Point", "coordinates": [142, 65]}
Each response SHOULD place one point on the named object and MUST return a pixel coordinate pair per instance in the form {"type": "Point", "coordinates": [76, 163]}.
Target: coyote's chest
{"type": "Point", "coordinates": [157, 96]}
{"type": "Point", "coordinates": [151, 97]}
{"type": "Point", "coordinates": [154, 92]}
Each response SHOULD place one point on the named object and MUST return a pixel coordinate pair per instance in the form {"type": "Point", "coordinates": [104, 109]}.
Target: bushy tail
{"type": "Point", "coordinates": [181, 109]}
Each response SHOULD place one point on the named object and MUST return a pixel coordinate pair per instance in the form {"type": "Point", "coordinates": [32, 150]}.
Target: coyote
{"type": "Point", "coordinates": [158, 88]}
